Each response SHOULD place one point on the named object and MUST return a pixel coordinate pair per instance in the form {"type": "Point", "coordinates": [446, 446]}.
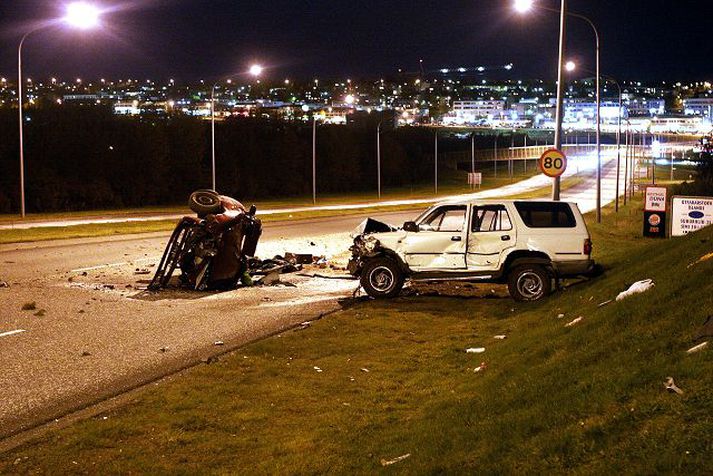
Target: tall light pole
{"type": "Point", "coordinates": [435, 162]}
{"type": "Point", "coordinates": [255, 71]}
{"type": "Point", "coordinates": [378, 160]}
{"type": "Point", "coordinates": [526, 5]}
{"type": "Point", "coordinates": [79, 15]}
{"type": "Point", "coordinates": [314, 159]}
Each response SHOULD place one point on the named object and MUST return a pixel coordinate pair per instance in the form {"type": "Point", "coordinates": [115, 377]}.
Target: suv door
{"type": "Point", "coordinates": [440, 243]}
{"type": "Point", "coordinates": [491, 232]}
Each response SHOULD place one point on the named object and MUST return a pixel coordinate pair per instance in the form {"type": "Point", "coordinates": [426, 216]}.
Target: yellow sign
{"type": "Point", "coordinates": [553, 163]}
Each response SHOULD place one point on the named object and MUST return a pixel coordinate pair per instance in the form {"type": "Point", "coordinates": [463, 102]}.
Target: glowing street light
{"type": "Point", "coordinates": [349, 99]}
{"type": "Point", "coordinates": [570, 66]}
{"type": "Point", "coordinates": [82, 15]}
{"type": "Point", "coordinates": [256, 70]}
{"type": "Point", "coordinates": [523, 6]}
{"type": "Point", "coordinates": [79, 15]}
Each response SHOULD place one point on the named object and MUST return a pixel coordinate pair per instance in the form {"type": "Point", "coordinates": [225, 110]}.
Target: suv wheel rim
{"type": "Point", "coordinates": [530, 285]}
{"type": "Point", "coordinates": [381, 279]}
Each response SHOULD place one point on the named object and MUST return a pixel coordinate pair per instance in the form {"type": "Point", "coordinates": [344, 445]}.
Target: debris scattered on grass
{"type": "Point", "coordinates": [163, 350]}
{"type": "Point", "coordinates": [389, 462]}
{"type": "Point", "coordinates": [475, 350]}
{"type": "Point", "coordinates": [317, 369]}
{"type": "Point", "coordinates": [218, 342]}
{"type": "Point", "coordinates": [480, 368]}
{"type": "Point", "coordinates": [40, 313]}
{"type": "Point", "coordinates": [697, 348]}
{"type": "Point", "coordinates": [29, 306]}
{"type": "Point", "coordinates": [365, 370]}
{"type": "Point", "coordinates": [671, 386]}
{"type": "Point", "coordinates": [602, 304]}
{"type": "Point", "coordinates": [86, 353]}
{"type": "Point", "coordinates": [636, 288]}
{"type": "Point", "coordinates": [574, 322]}
{"type": "Point", "coordinates": [139, 271]}
{"type": "Point", "coordinates": [560, 316]}
{"type": "Point", "coordinates": [500, 337]}
{"type": "Point", "coordinates": [703, 258]}
{"type": "Point", "coordinates": [209, 360]}
{"type": "Point", "coordinates": [304, 325]}
{"type": "Point", "coordinates": [3, 284]}
{"type": "Point", "coordinates": [108, 286]}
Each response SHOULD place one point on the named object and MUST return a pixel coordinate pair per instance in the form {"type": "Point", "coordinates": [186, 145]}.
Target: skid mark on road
{"type": "Point", "coordinates": [114, 265]}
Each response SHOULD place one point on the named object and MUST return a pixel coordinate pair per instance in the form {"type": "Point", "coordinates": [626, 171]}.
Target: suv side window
{"type": "Point", "coordinates": [490, 218]}
{"type": "Point", "coordinates": [546, 214]}
{"type": "Point", "coordinates": [450, 219]}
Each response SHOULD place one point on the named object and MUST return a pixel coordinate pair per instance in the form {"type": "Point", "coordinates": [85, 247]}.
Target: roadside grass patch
{"type": "Point", "coordinates": [396, 380]}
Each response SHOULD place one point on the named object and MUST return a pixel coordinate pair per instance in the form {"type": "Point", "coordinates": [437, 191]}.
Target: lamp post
{"type": "Point", "coordinates": [78, 15]}
{"type": "Point", "coordinates": [255, 71]}
{"type": "Point", "coordinates": [526, 5]}
{"type": "Point", "coordinates": [378, 160]}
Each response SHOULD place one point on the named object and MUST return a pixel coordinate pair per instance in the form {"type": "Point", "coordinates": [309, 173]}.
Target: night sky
{"type": "Point", "coordinates": [194, 39]}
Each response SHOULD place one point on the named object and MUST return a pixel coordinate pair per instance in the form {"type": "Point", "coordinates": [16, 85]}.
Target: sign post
{"type": "Point", "coordinates": [553, 163]}
{"type": "Point", "coordinates": [475, 178]}
{"type": "Point", "coordinates": [689, 214]}
{"type": "Point", "coordinates": [655, 212]}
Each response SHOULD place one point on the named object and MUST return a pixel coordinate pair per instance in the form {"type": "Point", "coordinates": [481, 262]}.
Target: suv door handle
{"type": "Point", "coordinates": [456, 238]}
{"type": "Point", "coordinates": [505, 238]}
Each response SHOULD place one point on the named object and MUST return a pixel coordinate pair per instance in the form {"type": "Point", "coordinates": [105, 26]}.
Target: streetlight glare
{"type": "Point", "coordinates": [82, 15]}
{"type": "Point", "coordinates": [523, 6]}
{"type": "Point", "coordinates": [349, 99]}
{"type": "Point", "coordinates": [570, 66]}
{"type": "Point", "coordinates": [256, 70]}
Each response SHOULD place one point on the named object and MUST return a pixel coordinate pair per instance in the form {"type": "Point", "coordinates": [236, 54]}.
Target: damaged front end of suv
{"type": "Point", "coordinates": [374, 260]}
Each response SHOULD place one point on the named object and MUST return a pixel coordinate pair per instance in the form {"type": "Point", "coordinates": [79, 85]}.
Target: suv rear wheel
{"type": "Point", "coordinates": [382, 278]}
{"type": "Point", "coordinates": [529, 283]}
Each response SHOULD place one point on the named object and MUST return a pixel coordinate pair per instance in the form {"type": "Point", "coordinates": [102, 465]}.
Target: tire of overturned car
{"type": "Point", "coordinates": [382, 278]}
{"type": "Point", "coordinates": [205, 202]}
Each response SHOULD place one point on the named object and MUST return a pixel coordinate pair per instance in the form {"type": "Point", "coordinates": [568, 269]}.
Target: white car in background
{"type": "Point", "coordinates": [526, 244]}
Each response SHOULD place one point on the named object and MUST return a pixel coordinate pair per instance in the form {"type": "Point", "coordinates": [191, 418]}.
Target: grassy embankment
{"type": "Point", "coordinates": [452, 184]}
{"type": "Point", "coordinates": [396, 380]}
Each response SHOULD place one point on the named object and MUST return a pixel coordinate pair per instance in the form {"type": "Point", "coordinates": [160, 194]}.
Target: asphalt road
{"type": "Point", "coordinates": [91, 336]}
{"type": "Point", "coordinates": [93, 333]}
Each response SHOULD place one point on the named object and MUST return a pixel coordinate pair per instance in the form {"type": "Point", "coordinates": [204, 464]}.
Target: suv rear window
{"type": "Point", "coordinates": [546, 214]}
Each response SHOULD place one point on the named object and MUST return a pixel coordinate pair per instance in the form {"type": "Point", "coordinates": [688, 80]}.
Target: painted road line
{"type": "Point", "coordinates": [114, 265]}
{"type": "Point", "coordinates": [10, 333]}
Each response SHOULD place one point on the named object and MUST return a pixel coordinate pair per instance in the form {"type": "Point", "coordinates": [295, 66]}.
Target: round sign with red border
{"type": "Point", "coordinates": [553, 163]}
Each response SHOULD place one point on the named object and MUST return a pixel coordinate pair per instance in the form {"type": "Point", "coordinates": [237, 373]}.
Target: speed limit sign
{"type": "Point", "coordinates": [553, 163]}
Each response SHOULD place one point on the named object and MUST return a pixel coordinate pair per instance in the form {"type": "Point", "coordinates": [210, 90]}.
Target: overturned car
{"type": "Point", "coordinates": [526, 244]}
{"type": "Point", "coordinates": [212, 249]}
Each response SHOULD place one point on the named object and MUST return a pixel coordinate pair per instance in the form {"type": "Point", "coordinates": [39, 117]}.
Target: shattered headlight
{"type": "Point", "coordinates": [370, 244]}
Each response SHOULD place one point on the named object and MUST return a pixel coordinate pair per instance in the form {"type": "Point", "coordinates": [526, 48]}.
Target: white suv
{"type": "Point", "coordinates": [525, 244]}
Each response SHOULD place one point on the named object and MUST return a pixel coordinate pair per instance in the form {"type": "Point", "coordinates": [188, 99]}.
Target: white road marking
{"type": "Point", "coordinates": [10, 333]}
{"type": "Point", "coordinates": [113, 265]}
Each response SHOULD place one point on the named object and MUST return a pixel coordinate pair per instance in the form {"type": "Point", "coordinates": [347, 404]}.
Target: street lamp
{"type": "Point", "coordinates": [255, 70]}
{"type": "Point", "coordinates": [79, 15]}
{"type": "Point", "coordinates": [526, 5]}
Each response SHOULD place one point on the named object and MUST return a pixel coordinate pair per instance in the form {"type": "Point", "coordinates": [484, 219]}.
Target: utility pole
{"type": "Point", "coordinates": [560, 94]}
{"type": "Point", "coordinates": [495, 156]}
{"type": "Point", "coordinates": [435, 162]}
{"type": "Point", "coordinates": [378, 160]}
{"type": "Point", "coordinates": [314, 160]}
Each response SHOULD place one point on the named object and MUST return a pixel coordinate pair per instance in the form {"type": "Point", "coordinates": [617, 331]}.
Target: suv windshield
{"type": "Point", "coordinates": [450, 218]}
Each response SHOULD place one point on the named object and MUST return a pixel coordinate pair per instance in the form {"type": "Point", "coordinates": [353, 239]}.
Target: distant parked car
{"type": "Point", "coordinates": [526, 244]}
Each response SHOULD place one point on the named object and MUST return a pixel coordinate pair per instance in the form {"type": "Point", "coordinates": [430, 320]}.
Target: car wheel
{"type": "Point", "coordinates": [529, 283]}
{"type": "Point", "coordinates": [382, 278]}
{"type": "Point", "coordinates": [205, 202]}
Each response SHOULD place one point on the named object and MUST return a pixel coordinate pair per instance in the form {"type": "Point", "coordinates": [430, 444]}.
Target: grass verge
{"type": "Point", "coordinates": [385, 379]}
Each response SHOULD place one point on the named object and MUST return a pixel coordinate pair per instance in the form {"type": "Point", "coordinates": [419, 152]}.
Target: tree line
{"type": "Point", "coordinates": [83, 158]}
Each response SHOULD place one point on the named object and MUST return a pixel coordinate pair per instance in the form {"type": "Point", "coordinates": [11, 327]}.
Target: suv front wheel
{"type": "Point", "coordinates": [529, 283]}
{"type": "Point", "coordinates": [382, 278]}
